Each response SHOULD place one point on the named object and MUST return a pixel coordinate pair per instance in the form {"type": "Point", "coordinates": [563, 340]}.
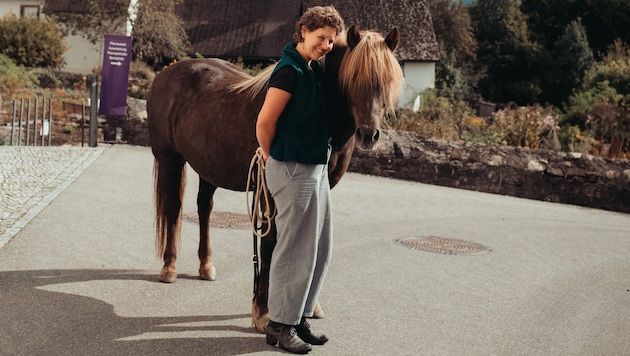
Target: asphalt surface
{"type": "Point", "coordinates": [79, 271]}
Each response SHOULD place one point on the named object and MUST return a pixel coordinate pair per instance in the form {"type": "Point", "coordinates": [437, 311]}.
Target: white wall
{"type": "Point", "coordinates": [419, 76]}
{"type": "Point", "coordinates": [81, 56]}
{"type": "Point", "coordinates": [13, 6]}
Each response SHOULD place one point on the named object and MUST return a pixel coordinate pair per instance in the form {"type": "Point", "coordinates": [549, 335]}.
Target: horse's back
{"type": "Point", "coordinates": [178, 87]}
{"type": "Point", "coordinates": [193, 113]}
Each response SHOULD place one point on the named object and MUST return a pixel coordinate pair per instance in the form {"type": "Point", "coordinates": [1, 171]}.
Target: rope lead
{"type": "Point", "coordinates": [260, 213]}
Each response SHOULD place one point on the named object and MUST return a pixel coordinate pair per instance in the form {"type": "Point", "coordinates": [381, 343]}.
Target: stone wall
{"type": "Point", "coordinates": [570, 178]}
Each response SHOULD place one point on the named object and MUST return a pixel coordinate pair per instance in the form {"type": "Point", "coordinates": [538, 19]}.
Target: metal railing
{"type": "Point", "coordinates": [31, 122]}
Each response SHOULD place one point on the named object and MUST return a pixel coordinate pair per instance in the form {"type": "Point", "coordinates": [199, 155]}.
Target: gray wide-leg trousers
{"type": "Point", "coordinates": [304, 223]}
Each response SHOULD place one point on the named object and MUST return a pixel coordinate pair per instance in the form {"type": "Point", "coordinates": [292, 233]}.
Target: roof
{"type": "Point", "coordinates": [411, 17]}
{"type": "Point", "coordinates": [261, 28]}
{"type": "Point", "coordinates": [247, 28]}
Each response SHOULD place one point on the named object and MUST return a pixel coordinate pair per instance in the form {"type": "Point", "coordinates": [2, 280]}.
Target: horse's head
{"type": "Point", "coordinates": [371, 79]}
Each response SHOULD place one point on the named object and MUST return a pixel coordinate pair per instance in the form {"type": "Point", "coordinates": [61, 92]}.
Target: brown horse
{"type": "Point", "coordinates": [203, 111]}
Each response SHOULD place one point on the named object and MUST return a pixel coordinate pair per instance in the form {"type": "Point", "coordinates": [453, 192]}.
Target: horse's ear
{"type": "Point", "coordinates": [392, 39]}
{"type": "Point", "coordinates": [353, 37]}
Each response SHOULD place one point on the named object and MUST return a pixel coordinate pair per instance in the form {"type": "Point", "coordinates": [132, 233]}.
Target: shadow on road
{"type": "Point", "coordinates": [37, 322]}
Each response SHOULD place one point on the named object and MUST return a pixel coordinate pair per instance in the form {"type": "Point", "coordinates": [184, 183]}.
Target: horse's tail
{"type": "Point", "coordinates": [254, 85]}
{"type": "Point", "coordinates": [169, 182]}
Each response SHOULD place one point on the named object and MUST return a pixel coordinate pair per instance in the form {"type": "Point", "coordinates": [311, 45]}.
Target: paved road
{"type": "Point", "coordinates": [79, 275]}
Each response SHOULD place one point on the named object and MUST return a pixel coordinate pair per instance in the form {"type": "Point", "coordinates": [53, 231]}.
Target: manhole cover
{"type": "Point", "coordinates": [442, 245]}
{"type": "Point", "coordinates": [224, 220]}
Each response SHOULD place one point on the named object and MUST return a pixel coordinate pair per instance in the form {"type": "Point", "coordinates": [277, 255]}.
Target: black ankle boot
{"type": "Point", "coordinates": [285, 337]}
{"type": "Point", "coordinates": [304, 332]}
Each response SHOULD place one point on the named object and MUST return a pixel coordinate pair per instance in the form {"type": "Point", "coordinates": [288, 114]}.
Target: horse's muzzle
{"type": "Point", "coordinates": [367, 137]}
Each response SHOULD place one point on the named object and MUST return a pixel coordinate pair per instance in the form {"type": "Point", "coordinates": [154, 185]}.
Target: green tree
{"type": "Point", "coordinates": [505, 52]}
{"type": "Point", "coordinates": [604, 20]}
{"type": "Point", "coordinates": [91, 19]}
{"type": "Point", "coordinates": [613, 68]}
{"type": "Point", "coordinates": [571, 58]}
{"type": "Point", "coordinates": [603, 104]}
{"type": "Point", "coordinates": [158, 32]}
{"type": "Point", "coordinates": [32, 42]}
{"type": "Point", "coordinates": [457, 45]}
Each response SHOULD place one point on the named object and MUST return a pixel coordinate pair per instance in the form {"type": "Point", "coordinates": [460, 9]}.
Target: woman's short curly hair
{"type": "Point", "coordinates": [318, 17]}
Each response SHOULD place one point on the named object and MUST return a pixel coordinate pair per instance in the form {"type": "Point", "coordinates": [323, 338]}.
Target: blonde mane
{"type": "Point", "coordinates": [253, 86]}
{"type": "Point", "coordinates": [372, 65]}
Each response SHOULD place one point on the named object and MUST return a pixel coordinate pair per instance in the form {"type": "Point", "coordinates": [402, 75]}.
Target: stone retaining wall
{"type": "Point", "coordinates": [570, 178]}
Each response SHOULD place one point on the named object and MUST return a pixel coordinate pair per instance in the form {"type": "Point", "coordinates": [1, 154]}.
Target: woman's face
{"type": "Point", "coordinates": [317, 43]}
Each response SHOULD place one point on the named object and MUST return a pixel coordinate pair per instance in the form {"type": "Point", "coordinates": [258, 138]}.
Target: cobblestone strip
{"type": "Point", "coordinates": [31, 177]}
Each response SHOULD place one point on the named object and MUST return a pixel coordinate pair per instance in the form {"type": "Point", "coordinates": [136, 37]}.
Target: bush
{"type": "Point", "coordinates": [603, 105]}
{"type": "Point", "coordinates": [477, 129]}
{"type": "Point", "coordinates": [252, 70]}
{"type": "Point", "coordinates": [14, 78]}
{"type": "Point", "coordinates": [614, 68]}
{"type": "Point", "coordinates": [32, 42]}
{"type": "Point", "coordinates": [572, 139]}
{"type": "Point", "coordinates": [523, 126]}
{"type": "Point", "coordinates": [439, 117]}
{"type": "Point", "coordinates": [605, 113]}
{"type": "Point", "coordinates": [141, 76]}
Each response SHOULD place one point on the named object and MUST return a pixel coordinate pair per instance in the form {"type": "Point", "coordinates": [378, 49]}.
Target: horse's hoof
{"type": "Point", "coordinates": [168, 275]}
{"type": "Point", "coordinates": [318, 313]}
{"type": "Point", "coordinates": [259, 322]}
{"type": "Point", "coordinates": [207, 273]}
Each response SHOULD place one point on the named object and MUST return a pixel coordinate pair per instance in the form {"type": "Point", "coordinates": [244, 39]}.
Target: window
{"type": "Point", "coordinates": [29, 11]}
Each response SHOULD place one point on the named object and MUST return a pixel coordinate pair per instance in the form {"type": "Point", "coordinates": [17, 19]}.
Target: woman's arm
{"type": "Point", "coordinates": [275, 102]}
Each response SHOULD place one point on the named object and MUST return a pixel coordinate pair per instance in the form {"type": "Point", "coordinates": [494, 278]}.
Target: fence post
{"type": "Point", "coordinates": [35, 122]}
{"type": "Point", "coordinates": [20, 122]}
{"type": "Point", "coordinates": [50, 128]}
{"type": "Point", "coordinates": [28, 122]}
{"type": "Point", "coordinates": [13, 120]}
{"type": "Point", "coordinates": [43, 117]}
{"type": "Point", "coordinates": [93, 110]}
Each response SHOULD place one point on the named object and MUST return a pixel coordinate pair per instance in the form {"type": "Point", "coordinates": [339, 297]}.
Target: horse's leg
{"type": "Point", "coordinates": [260, 311]}
{"type": "Point", "coordinates": [169, 188]}
{"type": "Point", "coordinates": [205, 203]}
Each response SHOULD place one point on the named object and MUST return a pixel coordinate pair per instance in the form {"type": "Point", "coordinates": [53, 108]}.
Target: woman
{"type": "Point", "coordinates": [293, 136]}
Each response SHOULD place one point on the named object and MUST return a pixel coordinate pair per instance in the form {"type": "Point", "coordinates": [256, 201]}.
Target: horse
{"type": "Point", "coordinates": [203, 111]}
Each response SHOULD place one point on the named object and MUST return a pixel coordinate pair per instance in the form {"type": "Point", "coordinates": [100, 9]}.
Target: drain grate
{"type": "Point", "coordinates": [223, 220]}
{"type": "Point", "coordinates": [443, 245]}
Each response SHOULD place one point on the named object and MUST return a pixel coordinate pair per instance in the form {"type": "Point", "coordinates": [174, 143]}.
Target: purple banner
{"type": "Point", "coordinates": [115, 78]}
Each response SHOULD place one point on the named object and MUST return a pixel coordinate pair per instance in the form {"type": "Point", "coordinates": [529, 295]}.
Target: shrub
{"type": "Point", "coordinates": [252, 70]}
{"type": "Point", "coordinates": [572, 139]}
{"type": "Point", "coordinates": [32, 42]}
{"type": "Point", "coordinates": [606, 113]}
{"type": "Point", "coordinates": [439, 117]}
{"type": "Point", "coordinates": [14, 78]}
{"type": "Point", "coordinates": [521, 126]}
{"type": "Point", "coordinates": [476, 129]}
{"type": "Point", "coordinates": [141, 76]}
{"type": "Point", "coordinates": [613, 68]}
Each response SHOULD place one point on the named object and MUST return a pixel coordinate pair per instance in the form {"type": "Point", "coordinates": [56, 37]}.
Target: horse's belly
{"type": "Point", "coordinates": [221, 157]}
